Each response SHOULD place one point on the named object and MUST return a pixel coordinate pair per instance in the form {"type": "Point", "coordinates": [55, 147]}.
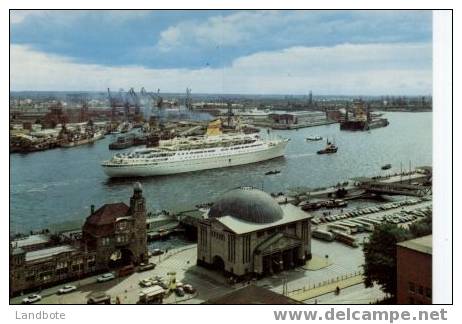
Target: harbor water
{"type": "Point", "coordinates": [59, 186]}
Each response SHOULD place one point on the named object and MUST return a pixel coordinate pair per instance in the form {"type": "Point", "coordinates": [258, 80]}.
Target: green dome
{"type": "Point", "coordinates": [247, 204]}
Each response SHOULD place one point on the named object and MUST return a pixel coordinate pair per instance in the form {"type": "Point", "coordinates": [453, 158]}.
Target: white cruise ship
{"type": "Point", "coordinates": [192, 154]}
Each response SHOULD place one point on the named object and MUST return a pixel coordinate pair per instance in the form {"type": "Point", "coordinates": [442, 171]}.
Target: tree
{"type": "Point", "coordinates": [422, 227]}
{"type": "Point", "coordinates": [380, 256]}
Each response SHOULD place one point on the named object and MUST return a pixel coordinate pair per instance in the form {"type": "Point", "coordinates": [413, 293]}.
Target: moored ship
{"type": "Point", "coordinates": [82, 139]}
{"type": "Point", "coordinates": [179, 155]}
{"type": "Point", "coordinates": [362, 119]}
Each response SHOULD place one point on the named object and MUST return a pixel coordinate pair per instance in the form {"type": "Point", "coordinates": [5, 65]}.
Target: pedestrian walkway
{"type": "Point", "coordinates": [317, 263]}
{"type": "Point", "coordinates": [329, 287]}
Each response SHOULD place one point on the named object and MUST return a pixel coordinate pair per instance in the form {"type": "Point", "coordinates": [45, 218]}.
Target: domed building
{"type": "Point", "coordinates": [247, 232]}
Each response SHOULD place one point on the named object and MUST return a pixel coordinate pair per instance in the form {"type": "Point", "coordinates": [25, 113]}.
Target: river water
{"type": "Point", "coordinates": [59, 186]}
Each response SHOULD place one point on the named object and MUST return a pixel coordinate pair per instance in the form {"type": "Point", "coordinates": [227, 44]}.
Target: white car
{"type": "Point", "coordinates": [66, 289]}
{"type": "Point", "coordinates": [146, 283]}
{"type": "Point", "coordinates": [105, 277]}
{"type": "Point", "coordinates": [31, 299]}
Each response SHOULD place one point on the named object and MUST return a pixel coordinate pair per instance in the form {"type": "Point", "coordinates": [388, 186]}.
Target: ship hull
{"type": "Point", "coordinates": [363, 125]}
{"type": "Point", "coordinates": [175, 167]}
{"type": "Point", "coordinates": [83, 142]}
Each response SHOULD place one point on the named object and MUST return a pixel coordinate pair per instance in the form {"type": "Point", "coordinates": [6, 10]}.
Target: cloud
{"type": "Point", "coordinates": [195, 39]}
{"type": "Point", "coordinates": [355, 69]}
{"type": "Point", "coordinates": [300, 27]}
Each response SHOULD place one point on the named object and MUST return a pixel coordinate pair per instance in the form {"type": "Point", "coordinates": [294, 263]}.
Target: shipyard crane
{"type": "Point", "coordinates": [124, 102]}
{"type": "Point", "coordinates": [112, 104]}
{"type": "Point", "coordinates": [148, 95]}
{"type": "Point", "coordinates": [136, 100]}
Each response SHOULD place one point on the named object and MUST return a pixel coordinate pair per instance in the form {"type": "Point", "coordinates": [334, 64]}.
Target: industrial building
{"type": "Point", "coordinates": [248, 233]}
{"type": "Point", "coordinates": [298, 119]}
{"type": "Point", "coordinates": [414, 286]}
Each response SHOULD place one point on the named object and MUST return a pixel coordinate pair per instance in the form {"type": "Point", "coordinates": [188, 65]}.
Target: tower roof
{"type": "Point", "coordinates": [102, 221]}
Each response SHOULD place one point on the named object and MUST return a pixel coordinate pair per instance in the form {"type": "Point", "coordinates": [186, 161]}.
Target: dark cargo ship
{"type": "Point", "coordinates": [362, 119]}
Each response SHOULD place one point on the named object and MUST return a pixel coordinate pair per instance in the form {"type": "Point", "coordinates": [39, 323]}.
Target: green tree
{"type": "Point", "coordinates": [422, 227]}
{"type": "Point", "coordinates": [380, 256]}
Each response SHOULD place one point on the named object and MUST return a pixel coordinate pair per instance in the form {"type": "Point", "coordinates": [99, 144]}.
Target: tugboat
{"type": "Point", "coordinates": [330, 148]}
{"type": "Point", "coordinates": [386, 166]}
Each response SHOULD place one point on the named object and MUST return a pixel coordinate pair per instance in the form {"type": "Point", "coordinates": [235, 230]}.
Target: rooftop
{"type": "Point", "coordinates": [290, 214]}
{"type": "Point", "coordinates": [108, 213]}
{"type": "Point", "coordinates": [247, 204]}
{"type": "Point", "coordinates": [421, 244]}
{"type": "Point", "coordinates": [45, 253]}
{"type": "Point", "coordinates": [31, 240]}
{"type": "Point", "coordinates": [102, 221]}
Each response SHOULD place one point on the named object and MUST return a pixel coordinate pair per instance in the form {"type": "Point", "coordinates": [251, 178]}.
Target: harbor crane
{"type": "Point", "coordinates": [136, 101]}
{"type": "Point", "coordinates": [150, 95]}
{"type": "Point", "coordinates": [112, 104]}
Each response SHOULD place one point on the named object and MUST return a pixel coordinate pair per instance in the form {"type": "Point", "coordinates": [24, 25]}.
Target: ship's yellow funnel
{"type": "Point", "coordinates": [214, 128]}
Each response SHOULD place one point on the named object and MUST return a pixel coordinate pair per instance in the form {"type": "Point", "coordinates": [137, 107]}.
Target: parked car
{"type": "Point", "coordinates": [162, 284]}
{"type": "Point", "coordinates": [105, 277]}
{"type": "Point", "coordinates": [66, 289]}
{"type": "Point", "coordinates": [99, 297]}
{"type": "Point", "coordinates": [179, 291]}
{"type": "Point", "coordinates": [189, 289]}
{"type": "Point", "coordinates": [146, 266]}
{"type": "Point", "coordinates": [157, 252]}
{"type": "Point", "coordinates": [146, 283]}
{"type": "Point", "coordinates": [31, 299]}
{"type": "Point", "coordinates": [126, 270]}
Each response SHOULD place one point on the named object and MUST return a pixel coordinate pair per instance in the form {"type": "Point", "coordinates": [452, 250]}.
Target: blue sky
{"type": "Point", "coordinates": [224, 51]}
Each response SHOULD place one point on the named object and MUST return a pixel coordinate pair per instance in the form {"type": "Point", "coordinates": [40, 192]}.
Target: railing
{"type": "Point", "coordinates": [325, 282]}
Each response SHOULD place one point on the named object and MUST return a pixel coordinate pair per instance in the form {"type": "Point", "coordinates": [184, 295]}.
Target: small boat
{"type": "Point", "coordinates": [273, 172]}
{"type": "Point", "coordinates": [330, 148]}
{"type": "Point", "coordinates": [314, 138]}
{"type": "Point", "coordinates": [386, 166]}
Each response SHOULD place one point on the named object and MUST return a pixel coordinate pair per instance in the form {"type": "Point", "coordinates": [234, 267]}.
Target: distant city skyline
{"type": "Point", "coordinates": [229, 52]}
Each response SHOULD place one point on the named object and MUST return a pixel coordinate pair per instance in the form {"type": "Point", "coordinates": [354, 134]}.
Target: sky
{"type": "Point", "coordinates": [211, 51]}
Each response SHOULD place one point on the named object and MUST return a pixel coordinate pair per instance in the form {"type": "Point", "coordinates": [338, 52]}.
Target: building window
{"type": "Point", "coordinates": [411, 286]}
{"type": "Point", "coordinates": [121, 239]}
{"type": "Point", "coordinates": [246, 248]}
{"type": "Point", "coordinates": [231, 248]}
{"type": "Point", "coordinates": [105, 241]}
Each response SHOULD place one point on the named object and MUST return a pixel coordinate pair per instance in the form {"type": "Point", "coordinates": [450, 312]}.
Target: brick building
{"type": "Point", "coordinates": [414, 267]}
{"type": "Point", "coordinates": [117, 232]}
{"type": "Point", "coordinates": [112, 236]}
